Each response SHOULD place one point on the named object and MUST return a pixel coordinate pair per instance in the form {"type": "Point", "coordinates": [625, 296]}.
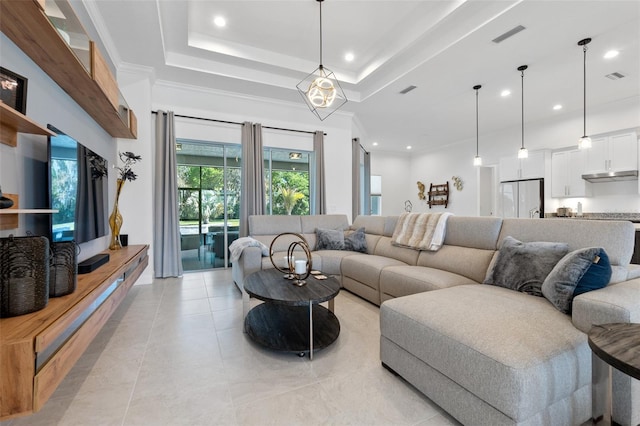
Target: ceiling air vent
{"type": "Point", "coordinates": [407, 90]}
{"type": "Point", "coordinates": [615, 76]}
{"type": "Point", "coordinates": [510, 33]}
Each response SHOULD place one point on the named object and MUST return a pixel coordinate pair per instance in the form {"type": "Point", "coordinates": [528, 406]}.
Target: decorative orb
{"type": "Point", "coordinates": [321, 92]}
{"type": "Point", "coordinates": [289, 268]}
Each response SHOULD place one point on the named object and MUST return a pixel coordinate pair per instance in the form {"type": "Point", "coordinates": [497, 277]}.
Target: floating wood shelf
{"type": "Point", "coordinates": [26, 24]}
{"type": "Point", "coordinates": [30, 211]}
{"type": "Point", "coordinates": [9, 217]}
{"type": "Point", "coordinates": [13, 122]}
{"type": "Point", "coordinates": [439, 195]}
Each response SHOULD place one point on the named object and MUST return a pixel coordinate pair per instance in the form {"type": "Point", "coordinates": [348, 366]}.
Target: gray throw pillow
{"type": "Point", "coordinates": [524, 266]}
{"type": "Point", "coordinates": [356, 241]}
{"type": "Point", "coordinates": [578, 272]}
{"type": "Point", "coordinates": [329, 239]}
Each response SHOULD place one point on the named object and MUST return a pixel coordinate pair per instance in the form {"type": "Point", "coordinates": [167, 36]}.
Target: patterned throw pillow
{"type": "Point", "coordinates": [578, 272]}
{"type": "Point", "coordinates": [329, 239]}
{"type": "Point", "coordinates": [524, 266]}
{"type": "Point", "coordinates": [356, 241]}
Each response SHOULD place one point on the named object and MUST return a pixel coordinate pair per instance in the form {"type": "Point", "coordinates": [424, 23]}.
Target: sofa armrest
{"type": "Point", "coordinates": [615, 303]}
{"type": "Point", "coordinates": [634, 271]}
{"type": "Point", "coordinates": [249, 262]}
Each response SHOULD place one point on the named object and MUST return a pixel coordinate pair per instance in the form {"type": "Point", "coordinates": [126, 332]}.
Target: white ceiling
{"type": "Point", "coordinates": [442, 47]}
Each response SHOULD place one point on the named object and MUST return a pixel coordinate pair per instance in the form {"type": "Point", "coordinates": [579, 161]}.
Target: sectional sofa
{"type": "Point", "coordinates": [485, 354]}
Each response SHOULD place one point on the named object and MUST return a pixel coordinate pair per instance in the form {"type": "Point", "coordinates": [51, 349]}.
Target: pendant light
{"type": "Point", "coordinates": [523, 152]}
{"type": "Point", "coordinates": [477, 160]}
{"type": "Point", "coordinates": [321, 90]}
{"type": "Point", "coordinates": [585, 141]}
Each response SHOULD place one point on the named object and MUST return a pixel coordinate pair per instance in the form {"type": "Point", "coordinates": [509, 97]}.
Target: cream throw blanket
{"type": "Point", "coordinates": [420, 231]}
{"type": "Point", "coordinates": [236, 247]}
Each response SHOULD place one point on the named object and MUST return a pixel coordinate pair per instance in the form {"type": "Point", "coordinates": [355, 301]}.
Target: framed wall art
{"type": "Point", "coordinates": [13, 90]}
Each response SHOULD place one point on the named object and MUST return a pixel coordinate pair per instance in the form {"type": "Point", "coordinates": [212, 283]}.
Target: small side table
{"type": "Point", "coordinates": [617, 345]}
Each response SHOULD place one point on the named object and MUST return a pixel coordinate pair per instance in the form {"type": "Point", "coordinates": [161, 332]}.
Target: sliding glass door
{"type": "Point", "coordinates": [209, 202]}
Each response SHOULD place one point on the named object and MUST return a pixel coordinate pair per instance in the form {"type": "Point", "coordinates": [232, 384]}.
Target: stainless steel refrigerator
{"type": "Point", "coordinates": [522, 198]}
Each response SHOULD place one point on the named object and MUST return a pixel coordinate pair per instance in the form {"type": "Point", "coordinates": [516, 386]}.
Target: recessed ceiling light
{"type": "Point", "coordinates": [611, 54]}
{"type": "Point", "coordinates": [557, 107]}
{"type": "Point", "coordinates": [220, 21]}
{"type": "Point", "coordinates": [408, 146]}
{"type": "Point", "coordinates": [375, 144]}
{"type": "Point", "coordinates": [505, 93]}
{"type": "Point", "coordinates": [349, 57]}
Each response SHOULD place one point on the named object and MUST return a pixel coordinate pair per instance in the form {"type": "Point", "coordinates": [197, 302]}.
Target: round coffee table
{"type": "Point", "coordinates": [291, 319]}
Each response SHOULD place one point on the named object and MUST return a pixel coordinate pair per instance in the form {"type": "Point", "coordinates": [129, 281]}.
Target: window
{"type": "Point", "coordinates": [376, 195]}
{"type": "Point", "coordinates": [287, 185]}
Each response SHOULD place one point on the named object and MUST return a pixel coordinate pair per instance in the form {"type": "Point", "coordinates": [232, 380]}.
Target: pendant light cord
{"type": "Point", "coordinates": [584, 92]}
{"type": "Point", "coordinates": [522, 90]}
{"type": "Point", "coordinates": [320, 1]}
{"type": "Point", "coordinates": [477, 132]}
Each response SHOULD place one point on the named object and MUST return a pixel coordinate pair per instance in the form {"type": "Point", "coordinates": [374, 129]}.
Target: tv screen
{"type": "Point", "coordinates": [78, 189]}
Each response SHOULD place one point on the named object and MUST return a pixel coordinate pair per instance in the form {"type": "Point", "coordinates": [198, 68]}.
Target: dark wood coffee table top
{"type": "Point", "coordinates": [618, 345]}
{"type": "Point", "coordinates": [270, 285]}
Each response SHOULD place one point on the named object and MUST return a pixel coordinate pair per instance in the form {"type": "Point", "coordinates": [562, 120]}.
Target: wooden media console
{"type": "Point", "coordinates": [37, 350]}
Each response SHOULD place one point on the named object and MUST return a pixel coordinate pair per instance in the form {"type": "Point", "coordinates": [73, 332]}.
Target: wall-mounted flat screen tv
{"type": "Point", "coordinates": [78, 188]}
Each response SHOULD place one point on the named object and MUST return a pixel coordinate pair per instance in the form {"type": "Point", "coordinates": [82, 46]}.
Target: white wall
{"type": "Point", "coordinates": [396, 184]}
{"type": "Point", "coordinates": [136, 198]}
{"type": "Point", "coordinates": [47, 103]}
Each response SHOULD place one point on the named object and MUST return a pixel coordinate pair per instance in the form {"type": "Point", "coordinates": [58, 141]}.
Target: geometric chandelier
{"type": "Point", "coordinates": [321, 90]}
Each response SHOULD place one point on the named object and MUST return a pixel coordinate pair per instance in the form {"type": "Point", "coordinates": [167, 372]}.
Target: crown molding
{"type": "Point", "coordinates": [103, 31]}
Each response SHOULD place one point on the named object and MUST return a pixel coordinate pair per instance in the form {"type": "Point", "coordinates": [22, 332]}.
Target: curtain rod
{"type": "Point", "coordinates": [239, 124]}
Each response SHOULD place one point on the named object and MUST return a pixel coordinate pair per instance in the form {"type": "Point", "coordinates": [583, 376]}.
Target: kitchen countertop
{"type": "Point", "coordinates": [632, 217]}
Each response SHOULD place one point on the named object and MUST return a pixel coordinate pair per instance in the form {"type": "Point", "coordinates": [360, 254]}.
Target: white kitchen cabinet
{"type": "Point", "coordinates": [513, 168]}
{"type": "Point", "coordinates": [613, 153]}
{"type": "Point", "coordinates": [567, 168]}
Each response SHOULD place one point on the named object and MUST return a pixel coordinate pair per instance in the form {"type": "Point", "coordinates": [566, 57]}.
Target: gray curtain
{"type": "Point", "coordinates": [366, 185]}
{"type": "Point", "coordinates": [355, 177]}
{"type": "Point", "coordinates": [361, 179]}
{"type": "Point", "coordinates": [252, 199]}
{"type": "Point", "coordinates": [91, 202]}
{"type": "Point", "coordinates": [166, 234]}
{"type": "Point", "coordinates": [318, 197]}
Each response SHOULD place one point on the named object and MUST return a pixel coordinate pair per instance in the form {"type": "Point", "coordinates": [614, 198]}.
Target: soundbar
{"type": "Point", "coordinates": [92, 263]}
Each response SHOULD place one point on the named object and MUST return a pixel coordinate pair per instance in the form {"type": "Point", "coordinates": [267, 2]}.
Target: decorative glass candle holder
{"type": "Point", "coordinates": [295, 270]}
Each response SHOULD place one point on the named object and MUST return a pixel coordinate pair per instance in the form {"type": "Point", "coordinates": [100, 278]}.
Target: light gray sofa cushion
{"type": "Point", "coordinates": [361, 274]}
{"type": "Point", "coordinates": [514, 351]}
{"type": "Point", "coordinates": [469, 262]}
{"type": "Point", "coordinates": [309, 224]}
{"type": "Point", "coordinates": [398, 281]}
{"type": "Point", "coordinates": [474, 232]}
{"type": "Point", "coordinates": [384, 248]}
{"type": "Point", "coordinates": [371, 224]}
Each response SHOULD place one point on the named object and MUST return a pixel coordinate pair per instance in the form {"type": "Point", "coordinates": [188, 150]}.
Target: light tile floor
{"type": "Point", "coordinates": [174, 353]}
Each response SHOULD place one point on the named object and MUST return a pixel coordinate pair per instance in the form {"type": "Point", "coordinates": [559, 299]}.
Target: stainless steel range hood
{"type": "Point", "coordinates": [611, 176]}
